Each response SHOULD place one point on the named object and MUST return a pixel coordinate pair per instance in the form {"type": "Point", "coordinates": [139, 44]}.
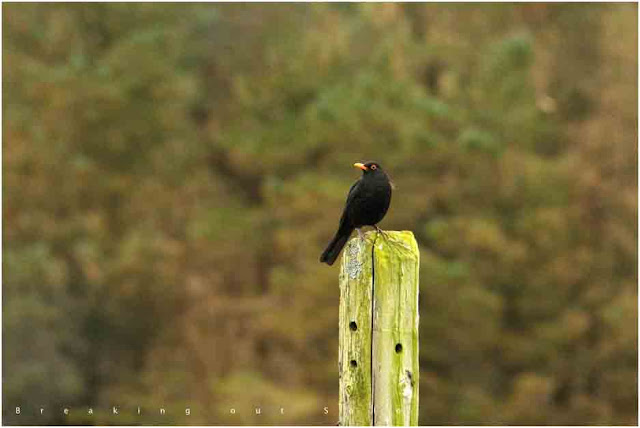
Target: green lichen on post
{"type": "Point", "coordinates": [395, 329]}
{"type": "Point", "coordinates": [379, 356]}
{"type": "Point", "coordinates": [355, 403]}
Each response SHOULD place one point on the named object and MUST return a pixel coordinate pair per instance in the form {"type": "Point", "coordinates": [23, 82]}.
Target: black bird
{"type": "Point", "coordinates": [367, 203]}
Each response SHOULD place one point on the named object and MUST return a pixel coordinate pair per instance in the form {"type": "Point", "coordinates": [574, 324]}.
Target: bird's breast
{"type": "Point", "coordinates": [371, 203]}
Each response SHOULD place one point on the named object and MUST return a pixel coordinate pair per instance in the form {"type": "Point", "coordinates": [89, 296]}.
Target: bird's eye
{"type": "Point", "coordinates": [373, 167]}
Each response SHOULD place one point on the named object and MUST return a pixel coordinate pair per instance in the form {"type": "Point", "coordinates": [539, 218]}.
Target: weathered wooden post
{"type": "Point", "coordinates": [378, 359]}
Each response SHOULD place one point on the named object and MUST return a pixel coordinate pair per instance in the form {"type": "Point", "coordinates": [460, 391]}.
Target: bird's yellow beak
{"type": "Point", "coordinates": [360, 165]}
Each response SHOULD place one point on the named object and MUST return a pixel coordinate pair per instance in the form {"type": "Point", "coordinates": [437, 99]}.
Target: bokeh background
{"type": "Point", "coordinates": [172, 172]}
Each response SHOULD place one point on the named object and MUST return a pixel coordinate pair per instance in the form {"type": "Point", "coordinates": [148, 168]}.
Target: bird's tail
{"type": "Point", "coordinates": [335, 246]}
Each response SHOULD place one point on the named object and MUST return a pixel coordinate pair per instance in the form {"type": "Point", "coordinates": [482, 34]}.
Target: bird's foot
{"type": "Point", "coordinates": [384, 234]}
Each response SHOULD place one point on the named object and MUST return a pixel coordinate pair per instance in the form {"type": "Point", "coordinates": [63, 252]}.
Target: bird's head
{"type": "Point", "coordinates": [369, 167]}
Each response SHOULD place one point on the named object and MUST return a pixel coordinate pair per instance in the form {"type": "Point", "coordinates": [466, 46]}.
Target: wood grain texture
{"type": "Point", "coordinates": [356, 404]}
{"type": "Point", "coordinates": [378, 361]}
{"type": "Point", "coordinates": [395, 329]}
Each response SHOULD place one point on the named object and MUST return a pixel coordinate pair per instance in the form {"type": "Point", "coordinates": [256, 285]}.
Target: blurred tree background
{"type": "Point", "coordinates": [172, 173]}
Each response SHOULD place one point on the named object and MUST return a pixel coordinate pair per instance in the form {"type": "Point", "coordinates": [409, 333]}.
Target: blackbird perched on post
{"type": "Point", "coordinates": [366, 205]}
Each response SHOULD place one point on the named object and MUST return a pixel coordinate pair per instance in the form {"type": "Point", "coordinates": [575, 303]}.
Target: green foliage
{"type": "Point", "coordinates": [172, 172]}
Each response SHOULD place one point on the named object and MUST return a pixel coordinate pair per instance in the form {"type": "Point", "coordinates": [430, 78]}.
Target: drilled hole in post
{"type": "Point", "coordinates": [353, 326]}
{"type": "Point", "coordinates": [398, 348]}
{"type": "Point", "coordinates": [354, 364]}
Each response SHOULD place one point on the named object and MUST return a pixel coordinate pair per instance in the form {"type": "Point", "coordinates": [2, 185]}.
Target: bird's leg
{"type": "Point", "coordinates": [361, 239]}
{"type": "Point", "coordinates": [384, 234]}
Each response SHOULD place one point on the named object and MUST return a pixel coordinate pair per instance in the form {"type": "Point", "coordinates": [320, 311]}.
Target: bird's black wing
{"type": "Point", "coordinates": [353, 191]}
{"type": "Point", "coordinates": [350, 197]}
{"type": "Point", "coordinates": [332, 251]}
